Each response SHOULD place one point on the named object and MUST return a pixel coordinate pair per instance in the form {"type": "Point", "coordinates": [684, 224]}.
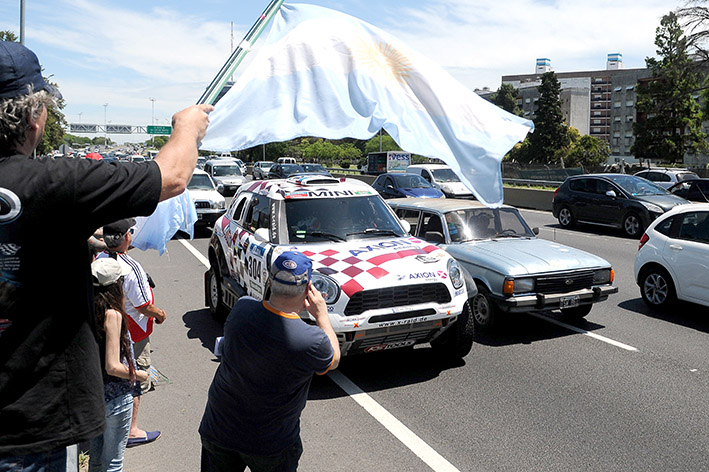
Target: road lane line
{"type": "Point", "coordinates": [583, 331]}
{"type": "Point", "coordinates": [425, 452]}
{"type": "Point", "coordinates": [194, 252]}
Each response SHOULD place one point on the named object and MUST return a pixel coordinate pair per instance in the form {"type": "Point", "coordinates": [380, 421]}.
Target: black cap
{"type": "Point", "coordinates": [19, 67]}
{"type": "Point", "coordinates": [113, 233]}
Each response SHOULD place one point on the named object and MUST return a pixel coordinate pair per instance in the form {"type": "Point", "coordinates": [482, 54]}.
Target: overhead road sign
{"type": "Point", "coordinates": [119, 129]}
{"type": "Point", "coordinates": [159, 129]}
{"type": "Point", "coordinates": [83, 128]}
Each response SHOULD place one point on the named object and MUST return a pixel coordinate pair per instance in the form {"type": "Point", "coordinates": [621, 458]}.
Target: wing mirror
{"type": "Point", "coordinates": [406, 225]}
{"type": "Point", "coordinates": [611, 193]}
{"type": "Point", "coordinates": [262, 235]}
{"type": "Point", "coordinates": [535, 230]}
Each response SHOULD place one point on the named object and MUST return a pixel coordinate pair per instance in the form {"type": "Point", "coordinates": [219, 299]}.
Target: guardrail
{"type": "Point", "coordinates": [532, 183]}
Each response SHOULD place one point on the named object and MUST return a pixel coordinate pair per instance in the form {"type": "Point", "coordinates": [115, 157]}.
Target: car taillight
{"type": "Point", "coordinates": [643, 240]}
{"type": "Point", "coordinates": [556, 191]}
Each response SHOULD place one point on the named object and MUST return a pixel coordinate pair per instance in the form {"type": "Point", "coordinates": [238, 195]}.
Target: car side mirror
{"type": "Point", "coordinates": [406, 225]}
{"type": "Point", "coordinates": [220, 187]}
{"type": "Point", "coordinates": [262, 235]}
{"type": "Point", "coordinates": [535, 230]}
{"type": "Point", "coordinates": [434, 237]}
{"type": "Point", "coordinates": [611, 193]}
{"type": "Point", "coordinates": [390, 187]}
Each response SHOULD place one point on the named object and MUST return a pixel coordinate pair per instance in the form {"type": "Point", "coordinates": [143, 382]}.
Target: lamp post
{"type": "Point", "coordinates": [105, 129]}
{"type": "Point", "coordinates": [80, 113]}
{"type": "Point", "coordinates": [152, 117]}
{"type": "Point", "coordinates": [22, 22]}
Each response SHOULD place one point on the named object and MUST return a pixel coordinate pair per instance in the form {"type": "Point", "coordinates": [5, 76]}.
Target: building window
{"type": "Point", "coordinates": [616, 150]}
{"type": "Point", "coordinates": [629, 103]}
{"type": "Point", "coordinates": [616, 104]}
{"type": "Point", "coordinates": [628, 134]}
{"type": "Point", "coordinates": [596, 130]}
{"type": "Point", "coordinates": [629, 119]}
{"type": "Point", "coordinates": [596, 113]}
{"type": "Point", "coordinates": [628, 141]}
{"type": "Point", "coordinates": [616, 119]}
{"type": "Point", "coordinates": [618, 89]}
{"type": "Point", "coordinates": [616, 134]}
{"type": "Point", "coordinates": [630, 87]}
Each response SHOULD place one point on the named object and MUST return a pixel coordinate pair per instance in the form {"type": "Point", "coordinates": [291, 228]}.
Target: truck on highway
{"type": "Point", "coordinates": [389, 161]}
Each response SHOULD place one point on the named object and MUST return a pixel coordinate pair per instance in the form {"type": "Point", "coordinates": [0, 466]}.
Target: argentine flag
{"type": "Point", "coordinates": [323, 73]}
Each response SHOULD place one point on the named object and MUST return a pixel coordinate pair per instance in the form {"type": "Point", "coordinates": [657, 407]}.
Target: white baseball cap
{"type": "Point", "coordinates": [107, 271]}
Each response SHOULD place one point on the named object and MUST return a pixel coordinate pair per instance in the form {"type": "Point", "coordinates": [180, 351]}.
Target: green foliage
{"type": "Point", "coordinates": [8, 36]}
{"type": "Point", "coordinates": [157, 141]}
{"type": "Point", "coordinates": [550, 132]}
{"type": "Point", "coordinates": [506, 98]}
{"type": "Point", "coordinates": [588, 151]}
{"type": "Point", "coordinates": [388, 144]}
{"type": "Point", "coordinates": [669, 117]}
{"type": "Point", "coordinates": [76, 141]}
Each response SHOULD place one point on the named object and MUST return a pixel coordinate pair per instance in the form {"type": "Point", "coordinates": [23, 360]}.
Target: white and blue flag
{"type": "Point", "coordinates": [323, 73]}
{"type": "Point", "coordinates": [171, 215]}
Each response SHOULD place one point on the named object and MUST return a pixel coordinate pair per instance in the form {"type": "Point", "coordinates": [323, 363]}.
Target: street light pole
{"type": "Point", "coordinates": [80, 113]}
{"type": "Point", "coordinates": [152, 117]}
{"type": "Point", "coordinates": [105, 129]}
{"type": "Point", "coordinates": [22, 22]}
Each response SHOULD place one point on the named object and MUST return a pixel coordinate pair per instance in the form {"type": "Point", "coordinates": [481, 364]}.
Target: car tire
{"type": "Point", "coordinates": [215, 296]}
{"type": "Point", "coordinates": [632, 225]}
{"type": "Point", "coordinates": [457, 341]}
{"type": "Point", "coordinates": [577, 312]}
{"type": "Point", "coordinates": [566, 217]}
{"type": "Point", "coordinates": [657, 288]}
{"type": "Point", "coordinates": [484, 310]}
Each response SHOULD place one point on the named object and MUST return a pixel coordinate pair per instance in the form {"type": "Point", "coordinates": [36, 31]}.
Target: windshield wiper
{"type": "Point", "coordinates": [375, 231]}
{"type": "Point", "coordinates": [330, 236]}
{"type": "Point", "coordinates": [509, 233]}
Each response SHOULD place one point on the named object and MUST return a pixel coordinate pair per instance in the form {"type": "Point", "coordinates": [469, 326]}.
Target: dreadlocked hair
{"type": "Point", "coordinates": [110, 297]}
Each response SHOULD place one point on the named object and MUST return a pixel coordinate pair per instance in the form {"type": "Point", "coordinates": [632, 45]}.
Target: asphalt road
{"type": "Point", "coordinates": [625, 389]}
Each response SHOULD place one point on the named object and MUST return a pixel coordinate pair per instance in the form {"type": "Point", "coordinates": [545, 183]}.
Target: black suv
{"type": "Point", "coordinates": [617, 200]}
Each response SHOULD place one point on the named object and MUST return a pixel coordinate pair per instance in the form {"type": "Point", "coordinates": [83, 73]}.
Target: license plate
{"type": "Point", "coordinates": [394, 345]}
{"type": "Point", "coordinates": [569, 302]}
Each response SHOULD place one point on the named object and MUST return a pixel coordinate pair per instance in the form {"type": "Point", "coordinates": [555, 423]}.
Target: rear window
{"type": "Point", "coordinates": [579, 185]}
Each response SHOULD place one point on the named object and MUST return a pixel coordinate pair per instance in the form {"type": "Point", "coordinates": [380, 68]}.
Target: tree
{"type": "Point", "coordinates": [388, 144]}
{"type": "Point", "coordinates": [695, 20]}
{"type": "Point", "coordinates": [587, 151]}
{"type": "Point", "coordinates": [550, 132]}
{"type": "Point", "coordinates": [506, 98]}
{"type": "Point", "coordinates": [669, 117]}
{"type": "Point", "coordinates": [8, 36]}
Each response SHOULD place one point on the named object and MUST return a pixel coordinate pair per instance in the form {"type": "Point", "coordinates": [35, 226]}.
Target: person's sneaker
{"type": "Point", "coordinates": [150, 436]}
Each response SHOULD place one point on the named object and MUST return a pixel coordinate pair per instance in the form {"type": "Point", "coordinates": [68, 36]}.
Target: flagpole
{"type": "Point", "coordinates": [239, 53]}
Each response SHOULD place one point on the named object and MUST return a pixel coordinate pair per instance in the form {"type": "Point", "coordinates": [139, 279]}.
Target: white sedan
{"type": "Point", "coordinates": [672, 261]}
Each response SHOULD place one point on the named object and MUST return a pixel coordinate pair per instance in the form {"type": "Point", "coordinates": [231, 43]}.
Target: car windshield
{"type": "Point", "coordinates": [291, 168]}
{"type": "Point", "coordinates": [411, 181]}
{"type": "Point", "coordinates": [313, 168]}
{"type": "Point", "coordinates": [341, 219]}
{"type": "Point", "coordinates": [687, 176]}
{"type": "Point", "coordinates": [266, 165]}
{"type": "Point", "coordinates": [637, 186]}
{"type": "Point", "coordinates": [445, 175]}
{"type": "Point", "coordinates": [200, 182]}
{"type": "Point", "coordinates": [222, 171]}
{"type": "Point", "coordinates": [486, 223]}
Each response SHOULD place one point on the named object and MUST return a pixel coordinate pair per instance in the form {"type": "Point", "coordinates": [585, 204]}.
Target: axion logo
{"type": "Point", "coordinates": [10, 205]}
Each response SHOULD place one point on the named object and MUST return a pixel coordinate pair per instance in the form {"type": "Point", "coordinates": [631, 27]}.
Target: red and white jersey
{"type": "Point", "coordinates": [137, 293]}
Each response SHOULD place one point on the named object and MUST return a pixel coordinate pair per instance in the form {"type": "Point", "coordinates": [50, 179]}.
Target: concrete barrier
{"type": "Point", "coordinates": [535, 199]}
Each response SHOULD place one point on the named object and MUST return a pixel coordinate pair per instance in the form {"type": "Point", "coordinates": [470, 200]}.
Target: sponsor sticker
{"type": "Point", "coordinates": [384, 347]}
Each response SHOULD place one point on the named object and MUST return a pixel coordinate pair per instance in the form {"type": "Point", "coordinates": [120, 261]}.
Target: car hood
{"type": "Point", "coordinates": [522, 256]}
{"type": "Point", "coordinates": [666, 202]}
{"type": "Point", "coordinates": [200, 194]}
{"type": "Point", "coordinates": [421, 192]}
{"type": "Point", "coordinates": [230, 179]}
{"type": "Point", "coordinates": [376, 263]}
{"type": "Point", "coordinates": [457, 188]}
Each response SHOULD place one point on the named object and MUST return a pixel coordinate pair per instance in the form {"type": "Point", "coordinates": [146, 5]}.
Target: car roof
{"type": "Point", "coordinates": [439, 204]}
{"type": "Point", "coordinates": [431, 166]}
{"type": "Point", "coordinates": [221, 162]}
{"type": "Point", "coordinates": [309, 186]}
{"type": "Point", "coordinates": [199, 171]}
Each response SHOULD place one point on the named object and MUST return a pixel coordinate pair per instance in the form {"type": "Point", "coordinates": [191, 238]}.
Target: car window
{"type": "Point", "coordinates": [457, 226]}
{"type": "Point", "coordinates": [411, 181]}
{"type": "Point", "coordinates": [200, 182]}
{"type": "Point", "coordinates": [633, 185]}
{"type": "Point", "coordinates": [411, 216]}
{"type": "Point", "coordinates": [445, 175]}
{"type": "Point", "coordinates": [694, 227]}
{"type": "Point", "coordinates": [579, 185]}
{"type": "Point", "coordinates": [602, 187]}
{"type": "Point", "coordinates": [238, 209]}
{"type": "Point", "coordinates": [223, 171]}
{"type": "Point", "coordinates": [258, 213]}
{"type": "Point", "coordinates": [665, 226]}
{"type": "Point", "coordinates": [430, 222]}
{"type": "Point", "coordinates": [687, 176]}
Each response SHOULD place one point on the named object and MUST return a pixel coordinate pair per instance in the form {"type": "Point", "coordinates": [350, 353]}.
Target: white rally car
{"type": "Point", "coordinates": [384, 288]}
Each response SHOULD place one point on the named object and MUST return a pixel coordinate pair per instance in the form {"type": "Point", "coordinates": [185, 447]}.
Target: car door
{"type": "Point", "coordinates": [581, 198]}
{"type": "Point", "coordinates": [253, 252]}
{"type": "Point", "coordinates": [389, 188]}
{"type": "Point", "coordinates": [607, 209]}
{"type": "Point", "coordinates": [412, 217]}
{"type": "Point", "coordinates": [688, 254]}
{"type": "Point", "coordinates": [431, 228]}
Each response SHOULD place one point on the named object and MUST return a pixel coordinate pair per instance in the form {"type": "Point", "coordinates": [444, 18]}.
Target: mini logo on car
{"type": "Point", "coordinates": [569, 281]}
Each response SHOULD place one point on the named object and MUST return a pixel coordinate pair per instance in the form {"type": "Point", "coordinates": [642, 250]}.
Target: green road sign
{"type": "Point", "coordinates": [159, 129]}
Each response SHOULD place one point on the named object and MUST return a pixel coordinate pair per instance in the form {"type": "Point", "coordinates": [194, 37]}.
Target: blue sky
{"type": "Point", "coordinates": [125, 53]}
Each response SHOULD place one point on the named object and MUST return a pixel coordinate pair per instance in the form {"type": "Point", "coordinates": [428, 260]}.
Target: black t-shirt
{"type": "Point", "coordinates": [51, 389]}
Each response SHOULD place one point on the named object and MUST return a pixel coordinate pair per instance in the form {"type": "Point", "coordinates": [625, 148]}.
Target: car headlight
{"type": "Point", "coordinates": [603, 276]}
{"type": "Point", "coordinates": [522, 285]}
{"type": "Point", "coordinates": [652, 207]}
{"type": "Point", "coordinates": [455, 274]}
{"type": "Point", "coordinates": [218, 205]}
{"type": "Point", "coordinates": [328, 287]}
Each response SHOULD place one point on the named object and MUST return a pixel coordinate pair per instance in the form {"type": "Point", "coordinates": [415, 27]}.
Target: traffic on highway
{"type": "Point", "coordinates": [621, 388]}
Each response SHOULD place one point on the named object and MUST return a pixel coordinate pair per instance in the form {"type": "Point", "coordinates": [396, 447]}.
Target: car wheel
{"type": "Point", "coordinates": [632, 225]}
{"type": "Point", "coordinates": [456, 341]}
{"type": "Point", "coordinates": [657, 288]}
{"type": "Point", "coordinates": [566, 218]}
{"type": "Point", "coordinates": [216, 298]}
{"type": "Point", "coordinates": [483, 308]}
{"type": "Point", "coordinates": [577, 312]}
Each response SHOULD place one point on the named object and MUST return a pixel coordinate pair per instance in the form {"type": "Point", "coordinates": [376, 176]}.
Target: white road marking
{"type": "Point", "coordinates": [194, 252]}
{"type": "Point", "coordinates": [583, 331]}
{"type": "Point", "coordinates": [425, 452]}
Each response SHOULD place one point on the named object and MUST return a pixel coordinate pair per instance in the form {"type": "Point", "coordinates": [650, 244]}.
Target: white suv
{"type": "Point", "coordinates": [666, 177]}
{"type": "Point", "coordinates": [443, 178]}
{"type": "Point", "coordinates": [671, 262]}
{"type": "Point", "coordinates": [384, 289]}
{"type": "Point", "coordinates": [208, 202]}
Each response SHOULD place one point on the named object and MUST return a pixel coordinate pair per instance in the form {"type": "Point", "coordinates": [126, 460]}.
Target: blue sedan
{"type": "Point", "coordinates": [397, 185]}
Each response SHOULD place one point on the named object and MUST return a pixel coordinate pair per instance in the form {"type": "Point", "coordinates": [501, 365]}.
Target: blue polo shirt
{"type": "Point", "coordinates": [262, 383]}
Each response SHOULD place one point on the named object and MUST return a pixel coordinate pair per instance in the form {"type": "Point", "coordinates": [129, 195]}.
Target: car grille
{"type": "Point", "coordinates": [202, 204]}
{"type": "Point", "coordinates": [397, 296]}
{"type": "Point", "coordinates": [567, 282]}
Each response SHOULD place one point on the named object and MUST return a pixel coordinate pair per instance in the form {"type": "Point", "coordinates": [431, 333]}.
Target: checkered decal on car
{"type": "Point", "coordinates": [361, 271]}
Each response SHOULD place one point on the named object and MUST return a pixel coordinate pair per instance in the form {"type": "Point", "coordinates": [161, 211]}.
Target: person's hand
{"type": "Point", "coordinates": [315, 303]}
{"type": "Point", "coordinates": [141, 375]}
{"type": "Point", "coordinates": [160, 315]}
{"type": "Point", "coordinates": [193, 120]}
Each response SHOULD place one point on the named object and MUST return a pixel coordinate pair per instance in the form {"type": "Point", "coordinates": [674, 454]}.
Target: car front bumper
{"type": "Point", "coordinates": [550, 301]}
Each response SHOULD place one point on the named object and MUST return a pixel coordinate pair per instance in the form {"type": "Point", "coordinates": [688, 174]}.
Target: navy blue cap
{"type": "Point", "coordinates": [292, 268]}
{"type": "Point", "coordinates": [19, 67]}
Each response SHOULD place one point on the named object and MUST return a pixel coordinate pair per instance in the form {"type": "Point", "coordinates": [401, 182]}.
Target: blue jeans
{"type": "Point", "coordinates": [106, 453]}
{"type": "Point", "coordinates": [51, 461]}
{"type": "Point", "coordinates": [218, 459]}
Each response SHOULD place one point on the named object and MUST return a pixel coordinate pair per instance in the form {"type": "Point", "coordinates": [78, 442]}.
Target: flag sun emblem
{"type": "Point", "coordinates": [382, 60]}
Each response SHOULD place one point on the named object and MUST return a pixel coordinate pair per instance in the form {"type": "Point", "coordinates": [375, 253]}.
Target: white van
{"type": "Point", "coordinates": [286, 160]}
{"type": "Point", "coordinates": [443, 178]}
